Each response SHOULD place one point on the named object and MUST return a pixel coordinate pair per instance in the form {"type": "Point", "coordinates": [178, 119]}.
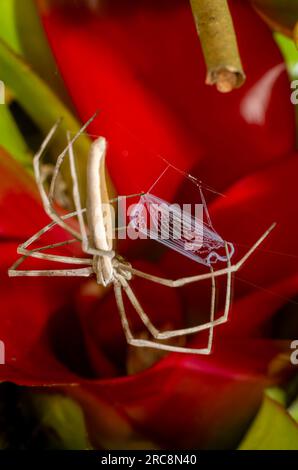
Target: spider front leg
{"type": "Point", "coordinates": [36, 253]}
{"type": "Point", "coordinates": [47, 200]}
{"type": "Point", "coordinates": [79, 272]}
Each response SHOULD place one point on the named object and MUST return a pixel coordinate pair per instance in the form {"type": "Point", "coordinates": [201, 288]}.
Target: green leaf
{"type": "Point", "coordinates": [277, 394]}
{"type": "Point", "coordinates": [35, 96]}
{"type": "Point", "coordinates": [61, 419]}
{"type": "Point", "coordinates": [16, 19]}
{"type": "Point", "coordinates": [11, 138]}
{"type": "Point", "coordinates": [8, 26]}
{"type": "Point", "coordinates": [293, 410]}
{"type": "Point", "coordinates": [41, 103]}
{"type": "Point", "coordinates": [272, 429]}
{"type": "Point", "coordinates": [21, 29]}
{"type": "Point", "coordinates": [290, 53]}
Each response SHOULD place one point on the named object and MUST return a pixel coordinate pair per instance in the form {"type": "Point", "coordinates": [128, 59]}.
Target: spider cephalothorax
{"type": "Point", "coordinates": [96, 237]}
{"type": "Point", "coordinates": [121, 270]}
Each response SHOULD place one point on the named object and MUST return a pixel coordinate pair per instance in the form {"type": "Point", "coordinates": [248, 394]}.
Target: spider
{"type": "Point", "coordinates": [109, 268]}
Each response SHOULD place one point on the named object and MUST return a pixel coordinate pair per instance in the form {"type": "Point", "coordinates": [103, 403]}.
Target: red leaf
{"type": "Point", "coordinates": [143, 67]}
{"type": "Point", "coordinates": [249, 208]}
{"type": "Point", "coordinates": [186, 401]}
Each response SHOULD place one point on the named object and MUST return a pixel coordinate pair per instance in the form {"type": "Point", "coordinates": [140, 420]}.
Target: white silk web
{"type": "Point", "coordinates": [175, 227]}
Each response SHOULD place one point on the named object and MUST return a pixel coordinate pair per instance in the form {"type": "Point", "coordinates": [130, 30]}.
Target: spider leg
{"type": "Point", "coordinates": [254, 247]}
{"type": "Point", "coordinates": [47, 203]}
{"type": "Point", "coordinates": [222, 319]}
{"type": "Point", "coordinates": [63, 154]}
{"type": "Point", "coordinates": [22, 249]}
{"type": "Point", "coordinates": [220, 272]}
{"type": "Point", "coordinates": [35, 253]}
{"type": "Point", "coordinates": [48, 200]}
{"type": "Point", "coordinates": [157, 334]}
{"type": "Point", "coordinates": [164, 347]}
{"type": "Point", "coordinates": [121, 308]}
{"type": "Point", "coordinates": [138, 308]}
{"type": "Point", "coordinates": [147, 343]}
{"type": "Point", "coordinates": [79, 272]}
{"type": "Point", "coordinates": [212, 312]}
{"type": "Point", "coordinates": [78, 205]}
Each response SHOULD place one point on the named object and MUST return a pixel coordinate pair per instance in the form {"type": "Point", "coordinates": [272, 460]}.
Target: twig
{"type": "Point", "coordinates": [216, 30]}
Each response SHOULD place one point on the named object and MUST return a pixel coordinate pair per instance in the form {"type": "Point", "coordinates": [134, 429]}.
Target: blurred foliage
{"type": "Point", "coordinates": [293, 410]}
{"type": "Point", "coordinates": [272, 429]}
{"type": "Point", "coordinates": [15, 19]}
{"type": "Point", "coordinates": [39, 420]}
{"type": "Point", "coordinates": [280, 14]}
{"type": "Point", "coordinates": [277, 394]}
{"type": "Point", "coordinates": [12, 139]}
{"type": "Point", "coordinates": [21, 29]}
{"type": "Point", "coordinates": [290, 53]}
{"type": "Point", "coordinates": [25, 58]}
{"type": "Point", "coordinates": [63, 419]}
{"type": "Point", "coordinates": [36, 97]}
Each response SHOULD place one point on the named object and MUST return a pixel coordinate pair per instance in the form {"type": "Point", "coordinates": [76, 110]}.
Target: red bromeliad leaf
{"type": "Point", "coordinates": [253, 314]}
{"type": "Point", "coordinates": [49, 326]}
{"type": "Point", "coordinates": [152, 405]}
{"type": "Point", "coordinates": [187, 401]}
{"type": "Point", "coordinates": [27, 304]}
{"type": "Point", "coordinates": [128, 60]}
{"type": "Point", "coordinates": [249, 208]}
{"type": "Point", "coordinates": [19, 201]}
{"type": "Point", "coordinates": [257, 201]}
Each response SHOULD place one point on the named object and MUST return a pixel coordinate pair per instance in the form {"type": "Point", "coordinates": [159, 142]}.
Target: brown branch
{"type": "Point", "coordinates": [219, 43]}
